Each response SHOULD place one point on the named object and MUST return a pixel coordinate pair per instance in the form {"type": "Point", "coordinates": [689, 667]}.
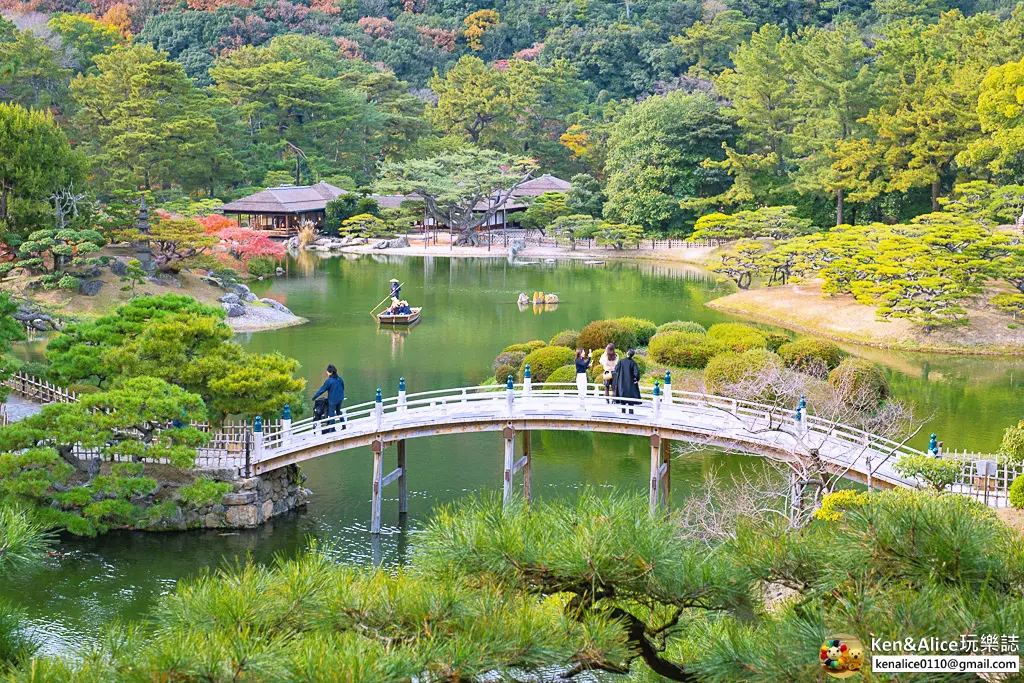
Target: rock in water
{"type": "Point", "coordinates": [277, 305]}
{"type": "Point", "coordinates": [234, 310]}
{"type": "Point", "coordinates": [397, 243]}
{"type": "Point", "coordinates": [92, 287]}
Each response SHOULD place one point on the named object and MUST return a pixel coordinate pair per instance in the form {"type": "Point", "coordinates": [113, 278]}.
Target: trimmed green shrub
{"type": "Point", "coordinates": [728, 369]}
{"type": "Point", "coordinates": [84, 388]}
{"type": "Point", "coordinates": [502, 372]}
{"type": "Point", "coordinates": [863, 381]}
{"type": "Point", "coordinates": [544, 361]}
{"type": "Point", "coordinates": [513, 358]}
{"type": "Point", "coordinates": [684, 349]}
{"type": "Point", "coordinates": [682, 326]}
{"type": "Point", "coordinates": [642, 328]}
{"type": "Point", "coordinates": [938, 473]}
{"type": "Point", "coordinates": [810, 355]}
{"type": "Point", "coordinates": [1017, 493]}
{"type": "Point", "coordinates": [775, 340]}
{"type": "Point", "coordinates": [69, 282]}
{"type": "Point", "coordinates": [566, 338]}
{"type": "Point", "coordinates": [204, 491]}
{"type": "Point", "coordinates": [525, 347]}
{"type": "Point", "coordinates": [563, 375]}
{"type": "Point", "coordinates": [1012, 448]}
{"type": "Point", "coordinates": [738, 337]}
{"type": "Point", "coordinates": [261, 266]}
{"type": "Point", "coordinates": [601, 333]}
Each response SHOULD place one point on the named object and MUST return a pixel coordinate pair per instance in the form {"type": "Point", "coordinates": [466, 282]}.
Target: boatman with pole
{"type": "Point", "coordinates": [396, 289]}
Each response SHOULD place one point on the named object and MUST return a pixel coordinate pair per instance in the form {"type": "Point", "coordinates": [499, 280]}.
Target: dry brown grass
{"type": "Point", "coordinates": [803, 308]}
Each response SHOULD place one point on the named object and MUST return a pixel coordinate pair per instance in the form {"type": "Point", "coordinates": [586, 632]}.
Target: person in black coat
{"type": "Point", "coordinates": [626, 380]}
{"type": "Point", "coordinates": [334, 387]}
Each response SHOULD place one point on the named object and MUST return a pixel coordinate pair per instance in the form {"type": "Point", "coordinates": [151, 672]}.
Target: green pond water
{"type": "Point", "coordinates": [469, 315]}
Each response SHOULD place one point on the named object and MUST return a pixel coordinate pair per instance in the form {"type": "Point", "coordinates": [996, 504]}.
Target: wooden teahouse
{"type": "Point", "coordinates": [281, 211]}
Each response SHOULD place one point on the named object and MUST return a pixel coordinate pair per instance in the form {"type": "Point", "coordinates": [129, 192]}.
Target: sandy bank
{"type": "Point", "coordinates": [802, 308]}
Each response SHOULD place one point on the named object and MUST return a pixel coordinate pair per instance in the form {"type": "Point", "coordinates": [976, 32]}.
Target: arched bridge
{"type": "Point", "coordinates": [661, 415]}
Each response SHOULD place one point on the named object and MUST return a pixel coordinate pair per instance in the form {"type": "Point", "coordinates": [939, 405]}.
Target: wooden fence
{"type": "Point", "coordinates": [39, 390]}
{"type": "Point", "coordinates": [536, 237]}
{"type": "Point", "coordinates": [989, 484]}
{"type": "Point", "coordinates": [225, 449]}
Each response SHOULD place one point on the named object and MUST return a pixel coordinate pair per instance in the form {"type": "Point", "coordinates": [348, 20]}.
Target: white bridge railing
{"type": "Point", "coordinates": [744, 424]}
{"type": "Point", "coordinates": [748, 423]}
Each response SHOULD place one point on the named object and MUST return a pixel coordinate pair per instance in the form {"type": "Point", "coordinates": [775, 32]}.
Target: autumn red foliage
{"type": "Point", "coordinates": [439, 37]}
{"type": "Point", "coordinates": [349, 48]}
{"type": "Point", "coordinates": [529, 54]}
{"type": "Point", "coordinates": [214, 223]}
{"type": "Point", "coordinates": [246, 243]}
{"type": "Point", "coordinates": [377, 27]}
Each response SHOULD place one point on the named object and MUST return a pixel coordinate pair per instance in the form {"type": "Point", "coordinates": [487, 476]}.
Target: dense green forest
{"type": "Point", "coordinates": [850, 111]}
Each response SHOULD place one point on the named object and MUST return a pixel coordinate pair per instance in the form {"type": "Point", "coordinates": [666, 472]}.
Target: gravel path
{"type": "Point", "coordinates": [18, 408]}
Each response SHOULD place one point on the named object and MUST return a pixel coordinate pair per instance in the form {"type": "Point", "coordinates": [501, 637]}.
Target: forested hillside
{"type": "Point", "coordinates": [850, 111]}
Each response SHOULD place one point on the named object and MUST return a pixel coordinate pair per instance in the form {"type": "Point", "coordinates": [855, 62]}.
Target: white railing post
{"type": "Point", "coordinates": [657, 400]}
{"type": "Point", "coordinates": [257, 439]}
{"type": "Point", "coordinates": [800, 418]}
{"type": "Point", "coordinates": [527, 381]}
{"type": "Point", "coordinates": [668, 387]}
{"type": "Point", "coordinates": [401, 395]}
{"type": "Point", "coordinates": [510, 390]}
{"type": "Point", "coordinates": [378, 408]}
{"type": "Point", "coordinates": [286, 425]}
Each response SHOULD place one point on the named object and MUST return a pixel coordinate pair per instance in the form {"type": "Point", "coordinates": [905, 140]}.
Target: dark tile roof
{"type": "Point", "coordinates": [286, 199]}
{"type": "Point", "coordinates": [538, 186]}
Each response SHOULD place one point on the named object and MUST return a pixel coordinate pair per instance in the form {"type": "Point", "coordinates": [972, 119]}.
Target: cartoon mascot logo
{"type": "Point", "coordinates": [842, 655]}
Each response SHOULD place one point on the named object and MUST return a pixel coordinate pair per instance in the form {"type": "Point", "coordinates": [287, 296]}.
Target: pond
{"type": "Point", "coordinates": [469, 315]}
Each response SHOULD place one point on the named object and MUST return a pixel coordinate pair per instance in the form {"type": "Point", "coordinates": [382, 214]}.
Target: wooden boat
{"type": "Point", "coordinates": [386, 318]}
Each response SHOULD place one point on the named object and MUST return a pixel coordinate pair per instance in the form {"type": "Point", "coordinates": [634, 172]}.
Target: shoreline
{"type": "Point", "coordinates": [803, 309]}
{"type": "Point", "coordinates": [693, 256]}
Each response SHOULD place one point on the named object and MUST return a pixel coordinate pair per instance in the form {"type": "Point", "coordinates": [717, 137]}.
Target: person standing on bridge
{"type": "Point", "coordinates": [334, 387]}
{"type": "Point", "coordinates": [626, 381]}
{"type": "Point", "coordinates": [609, 360]}
{"type": "Point", "coordinates": [582, 365]}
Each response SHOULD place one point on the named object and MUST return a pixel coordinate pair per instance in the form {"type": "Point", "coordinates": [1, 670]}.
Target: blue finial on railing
{"type": "Point", "coordinates": [803, 403]}
{"type": "Point", "coordinates": [257, 424]}
{"type": "Point", "coordinates": [526, 371]}
{"type": "Point", "coordinates": [657, 388]}
{"type": "Point", "coordinates": [668, 377]}
{"type": "Point", "coordinates": [286, 414]}
{"type": "Point", "coordinates": [401, 384]}
{"type": "Point", "coordinates": [798, 414]}
{"type": "Point", "coordinates": [509, 384]}
{"type": "Point", "coordinates": [933, 444]}
{"type": "Point", "coordinates": [380, 397]}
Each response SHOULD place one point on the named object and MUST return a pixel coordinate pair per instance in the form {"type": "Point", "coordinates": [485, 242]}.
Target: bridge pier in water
{"type": "Point", "coordinates": [381, 480]}
{"type": "Point", "coordinates": [661, 480]}
{"type": "Point", "coordinates": [512, 466]}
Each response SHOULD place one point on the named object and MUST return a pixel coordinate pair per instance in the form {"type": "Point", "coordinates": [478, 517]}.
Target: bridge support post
{"type": "Point", "coordinates": [666, 477]}
{"type": "Point", "coordinates": [655, 471]}
{"type": "Point", "coordinates": [403, 486]}
{"type": "Point", "coordinates": [527, 466]}
{"type": "Point", "coordinates": [378, 474]}
{"type": "Point", "coordinates": [510, 453]}
{"type": "Point", "coordinates": [661, 480]}
{"type": "Point", "coordinates": [668, 387]}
